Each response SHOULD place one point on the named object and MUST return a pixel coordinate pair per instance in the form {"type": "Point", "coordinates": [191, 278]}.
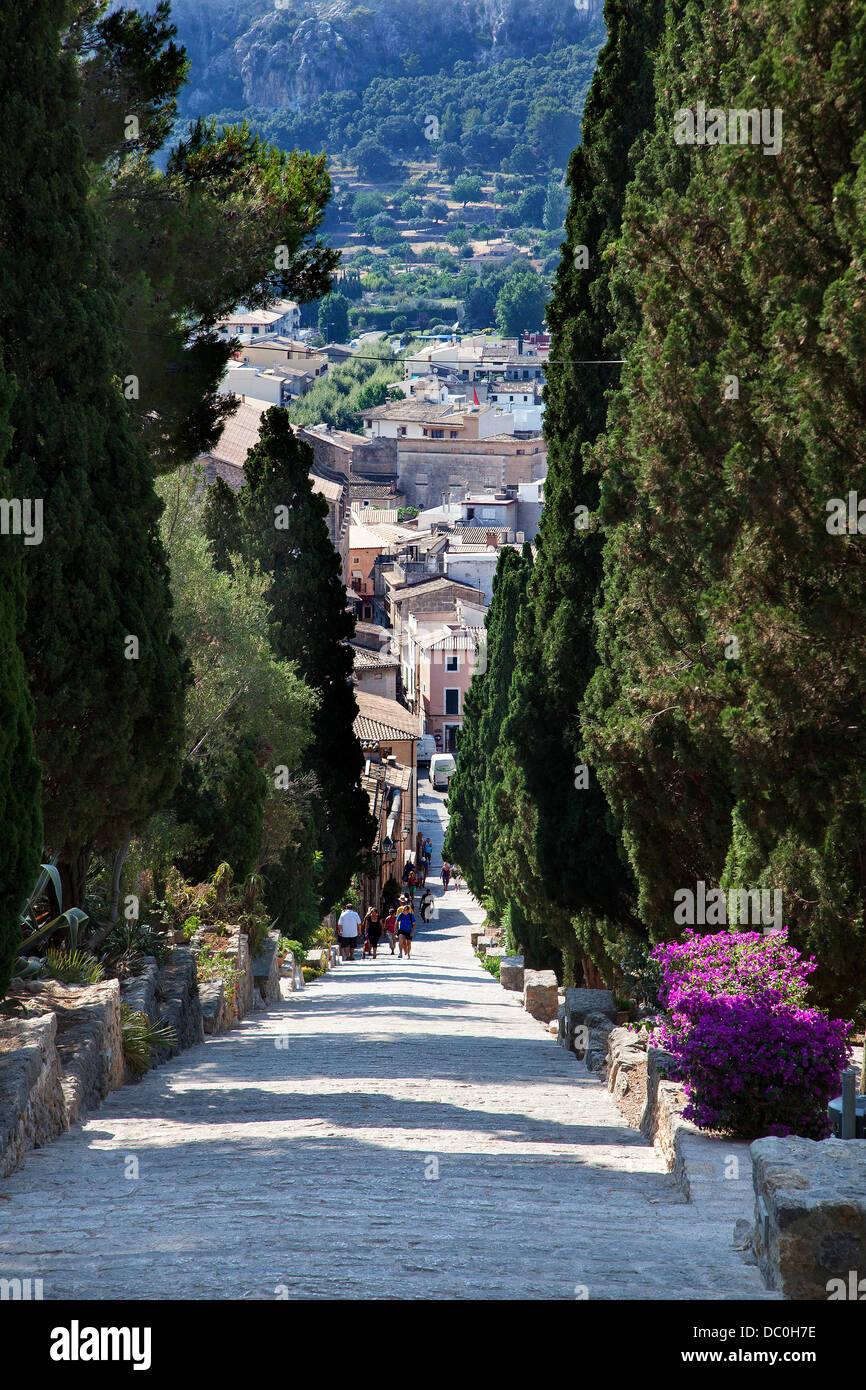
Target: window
{"type": "Point", "coordinates": [452, 700]}
{"type": "Point", "coordinates": [453, 434]}
{"type": "Point", "coordinates": [452, 662]}
{"type": "Point", "coordinates": [438, 434]}
{"type": "Point", "coordinates": [401, 430]}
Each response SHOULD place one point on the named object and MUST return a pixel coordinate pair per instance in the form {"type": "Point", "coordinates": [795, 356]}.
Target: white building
{"type": "Point", "coordinates": [472, 564]}
{"type": "Point", "coordinates": [281, 319]}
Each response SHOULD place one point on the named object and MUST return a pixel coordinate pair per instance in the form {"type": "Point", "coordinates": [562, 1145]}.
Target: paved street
{"type": "Point", "coordinates": [399, 1128]}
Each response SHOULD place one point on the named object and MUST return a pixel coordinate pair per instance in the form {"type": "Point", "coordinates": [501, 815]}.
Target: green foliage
{"type": "Point", "coordinates": [277, 522]}
{"type": "Point", "coordinates": [334, 318]}
{"type": "Point", "coordinates": [296, 948]}
{"type": "Point", "coordinates": [742, 763]}
{"type": "Point", "coordinates": [336, 399]}
{"type": "Point", "coordinates": [555, 206]}
{"type": "Point", "coordinates": [558, 861]}
{"type": "Point", "coordinates": [20, 813]}
{"type": "Point", "coordinates": [212, 964]}
{"type": "Point", "coordinates": [141, 1038]}
{"type": "Point", "coordinates": [108, 718]}
{"type": "Point", "coordinates": [366, 204]}
{"type": "Point", "coordinates": [373, 160]}
{"type": "Point", "coordinates": [124, 948]}
{"type": "Point", "coordinates": [246, 708]}
{"type": "Point", "coordinates": [521, 303]}
{"type": "Point", "coordinates": [73, 967]}
{"type": "Point", "coordinates": [522, 110]}
{"type": "Point", "coordinates": [491, 964]}
{"type": "Point", "coordinates": [466, 189]}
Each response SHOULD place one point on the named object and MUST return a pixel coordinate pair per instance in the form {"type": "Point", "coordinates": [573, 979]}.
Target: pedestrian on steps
{"type": "Point", "coordinates": [348, 927]}
{"type": "Point", "coordinates": [372, 931]}
{"type": "Point", "coordinates": [390, 928]}
{"type": "Point", "coordinates": [446, 875]}
{"type": "Point", "coordinates": [405, 928]}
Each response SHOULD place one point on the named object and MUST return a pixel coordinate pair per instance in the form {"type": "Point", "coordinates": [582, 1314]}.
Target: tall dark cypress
{"type": "Point", "coordinates": [571, 873]}
{"type": "Point", "coordinates": [484, 707]}
{"type": "Point", "coordinates": [106, 671]}
{"type": "Point", "coordinates": [726, 713]}
{"type": "Point", "coordinates": [278, 521]}
{"type": "Point", "coordinates": [20, 816]}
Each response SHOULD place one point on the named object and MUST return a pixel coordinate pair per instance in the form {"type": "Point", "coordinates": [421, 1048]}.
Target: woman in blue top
{"type": "Point", "coordinates": [405, 928]}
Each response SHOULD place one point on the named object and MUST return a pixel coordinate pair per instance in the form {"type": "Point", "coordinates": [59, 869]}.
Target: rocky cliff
{"type": "Point", "coordinates": [287, 53]}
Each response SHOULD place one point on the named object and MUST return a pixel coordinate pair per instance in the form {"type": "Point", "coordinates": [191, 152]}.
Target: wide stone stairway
{"type": "Point", "coordinates": [397, 1129]}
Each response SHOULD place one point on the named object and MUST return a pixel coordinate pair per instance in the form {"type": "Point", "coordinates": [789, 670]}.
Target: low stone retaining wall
{"type": "Point", "coordinates": [266, 970]}
{"type": "Point", "coordinates": [586, 1019]}
{"type": "Point", "coordinates": [32, 1103]}
{"type": "Point", "coordinates": [810, 1217]}
{"type": "Point", "coordinates": [511, 973]}
{"type": "Point", "coordinates": [540, 994]}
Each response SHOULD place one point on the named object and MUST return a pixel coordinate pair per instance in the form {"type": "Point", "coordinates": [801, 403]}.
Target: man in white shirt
{"type": "Point", "coordinates": [348, 926]}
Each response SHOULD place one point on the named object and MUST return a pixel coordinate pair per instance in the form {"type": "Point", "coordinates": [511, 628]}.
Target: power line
{"type": "Point", "coordinates": [352, 356]}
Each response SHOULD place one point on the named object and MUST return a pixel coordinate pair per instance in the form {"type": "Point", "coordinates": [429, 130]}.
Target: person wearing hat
{"type": "Point", "coordinates": [405, 928]}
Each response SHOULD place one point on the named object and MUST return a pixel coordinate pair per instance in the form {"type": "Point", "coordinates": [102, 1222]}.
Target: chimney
{"type": "Point", "coordinates": [520, 344]}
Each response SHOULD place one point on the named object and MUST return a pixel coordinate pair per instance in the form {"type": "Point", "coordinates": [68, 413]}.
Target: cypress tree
{"type": "Point", "coordinates": [565, 857]}
{"type": "Point", "coordinates": [726, 714]}
{"type": "Point", "coordinates": [279, 522]}
{"type": "Point", "coordinates": [479, 731]}
{"type": "Point", "coordinates": [20, 816]}
{"type": "Point", "coordinates": [106, 672]}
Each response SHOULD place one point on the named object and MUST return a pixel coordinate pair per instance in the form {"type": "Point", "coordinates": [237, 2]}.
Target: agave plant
{"type": "Point", "coordinates": [73, 967]}
{"type": "Point", "coordinates": [141, 1037]}
{"type": "Point", "coordinates": [39, 925]}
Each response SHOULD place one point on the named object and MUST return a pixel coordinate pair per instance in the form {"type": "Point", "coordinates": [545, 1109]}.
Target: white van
{"type": "Point", "coordinates": [426, 749]}
{"type": "Point", "coordinates": [442, 768]}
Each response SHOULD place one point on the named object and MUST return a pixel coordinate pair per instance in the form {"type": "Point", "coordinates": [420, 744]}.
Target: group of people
{"type": "Point", "coordinates": [397, 923]}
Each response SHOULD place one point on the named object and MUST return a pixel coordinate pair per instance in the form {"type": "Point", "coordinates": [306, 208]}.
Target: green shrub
{"type": "Point", "coordinates": [73, 967]}
{"type": "Point", "coordinates": [490, 963]}
{"type": "Point", "coordinates": [311, 973]}
{"type": "Point", "coordinates": [295, 947]}
{"type": "Point", "coordinates": [140, 1037]}
{"type": "Point", "coordinates": [216, 965]}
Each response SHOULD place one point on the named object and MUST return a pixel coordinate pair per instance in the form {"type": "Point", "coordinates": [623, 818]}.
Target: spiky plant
{"type": "Point", "coordinates": [141, 1037]}
{"type": "Point", "coordinates": [73, 967]}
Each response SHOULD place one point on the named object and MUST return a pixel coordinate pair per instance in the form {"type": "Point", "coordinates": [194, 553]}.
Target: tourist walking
{"type": "Point", "coordinates": [446, 875]}
{"type": "Point", "coordinates": [428, 853]}
{"type": "Point", "coordinates": [426, 908]}
{"type": "Point", "coordinates": [457, 876]}
{"type": "Point", "coordinates": [348, 927]}
{"type": "Point", "coordinates": [389, 927]}
{"type": "Point", "coordinates": [372, 931]}
{"type": "Point", "coordinates": [405, 928]}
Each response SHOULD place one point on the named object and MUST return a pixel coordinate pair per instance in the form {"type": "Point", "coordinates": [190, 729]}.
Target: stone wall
{"type": "Point", "coordinates": [451, 467]}
{"type": "Point", "coordinates": [32, 1103]}
{"type": "Point", "coordinates": [810, 1217]}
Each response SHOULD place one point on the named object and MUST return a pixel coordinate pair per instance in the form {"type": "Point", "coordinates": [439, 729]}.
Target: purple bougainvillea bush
{"type": "Point", "coordinates": [754, 1059]}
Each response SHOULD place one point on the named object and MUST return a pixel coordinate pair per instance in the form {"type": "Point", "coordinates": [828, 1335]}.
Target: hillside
{"type": "Point", "coordinates": [287, 53]}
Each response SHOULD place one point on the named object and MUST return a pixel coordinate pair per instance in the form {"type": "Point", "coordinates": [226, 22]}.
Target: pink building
{"type": "Point", "coordinates": [448, 659]}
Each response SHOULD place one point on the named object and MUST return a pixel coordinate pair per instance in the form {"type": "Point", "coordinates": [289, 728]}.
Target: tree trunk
{"type": "Point", "coordinates": [73, 880]}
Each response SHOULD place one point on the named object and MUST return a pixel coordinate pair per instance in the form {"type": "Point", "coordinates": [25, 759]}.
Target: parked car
{"type": "Point", "coordinates": [442, 768]}
{"type": "Point", "coordinates": [426, 749]}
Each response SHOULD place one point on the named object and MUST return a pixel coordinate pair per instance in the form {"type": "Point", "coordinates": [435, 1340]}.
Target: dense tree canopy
{"type": "Point", "coordinates": [105, 667]}
{"type": "Point", "coordinates": [726, 715]}
{"type": "Point", "coordinates": [277, 521]}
